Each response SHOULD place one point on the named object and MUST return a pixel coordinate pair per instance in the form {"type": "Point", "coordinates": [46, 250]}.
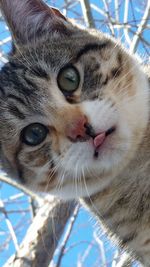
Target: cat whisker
{"type": "Point", "coordinates": [97, 211]}
{"type": "Point", "coordinates": [28, 64]}
{"type": "Point", "coordinates": [52, 173]}
{"type": "Point", "coordinates": [76, 179]}
{"type": "Point", "coordinates": [61, 176]}
{"type": "Point", "coordinates": [88, 194]}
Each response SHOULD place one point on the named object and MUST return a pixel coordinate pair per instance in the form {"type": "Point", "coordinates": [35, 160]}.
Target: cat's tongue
{"type": "Point", "coordinates": [99, 139]}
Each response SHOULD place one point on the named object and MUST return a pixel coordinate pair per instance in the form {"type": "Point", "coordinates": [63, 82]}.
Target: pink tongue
{"type": "Point", "coordinates": [99, 139]}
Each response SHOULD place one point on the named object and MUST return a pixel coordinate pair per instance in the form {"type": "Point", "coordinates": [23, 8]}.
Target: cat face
{"type": "Point", "coordinates": [73, 104]}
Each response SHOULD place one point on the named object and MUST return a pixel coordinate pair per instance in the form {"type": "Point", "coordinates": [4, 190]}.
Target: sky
{"type": "Point", "coordinates": [81, 239]}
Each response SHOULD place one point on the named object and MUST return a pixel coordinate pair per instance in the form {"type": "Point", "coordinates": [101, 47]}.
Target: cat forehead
{"type": "Point", "coordinates": [60, 47]}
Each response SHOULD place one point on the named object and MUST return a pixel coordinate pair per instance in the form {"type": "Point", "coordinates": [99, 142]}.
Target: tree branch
{"type": "Point", "coordinates": [101, 248]}
{"type": "Point", "coordinates": [87, 13]}
{"type": "Point", "coordinates": [9, 225]}
{"type": "Point", "coordinates": [126, 30]}
{"type": "Point", "coordinates": [140, 29]}
{"type": "Point", "coordinates": [7, 180]}
{"type": "Point", "coordinates": [116, 2]}
{"type": "Point", "coordinates": [42, 237]}
{"type": "Point", "coordinates": [67, 235]}
{"type": "Point", "coordinates": [109, 18]}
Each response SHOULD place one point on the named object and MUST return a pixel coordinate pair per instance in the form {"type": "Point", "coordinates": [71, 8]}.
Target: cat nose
{"type": "Point", "coordinates": [80, 130]}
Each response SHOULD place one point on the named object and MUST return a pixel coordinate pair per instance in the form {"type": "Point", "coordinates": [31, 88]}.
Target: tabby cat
{"type": "Point", "coordinates": [74, 120]}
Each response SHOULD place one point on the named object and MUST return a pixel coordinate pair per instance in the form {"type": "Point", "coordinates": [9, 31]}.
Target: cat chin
{"type": "Point", "coordinates": [86, 189]}
{"type": "Point", "coordinates": [96, 179]}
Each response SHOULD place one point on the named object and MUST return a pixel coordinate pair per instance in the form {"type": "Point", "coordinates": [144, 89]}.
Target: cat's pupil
{"type": "Point", "coordinates": [34, 134]}
{"type": "Point", "coordinates": [68, 79]}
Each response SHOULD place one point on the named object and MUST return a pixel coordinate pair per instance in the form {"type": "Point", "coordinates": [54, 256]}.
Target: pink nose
{"type": "Point", "coordinates": [77, 131]}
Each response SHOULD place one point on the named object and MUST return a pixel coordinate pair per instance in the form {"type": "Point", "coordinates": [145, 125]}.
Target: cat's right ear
{"type": "Point", "coordinates": [27, 19]}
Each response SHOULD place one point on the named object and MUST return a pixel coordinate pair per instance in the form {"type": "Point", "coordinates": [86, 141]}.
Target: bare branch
{"type": "Point", "coordinates": [87, 13]}
{"type": "Point", "coordinates": [11, 182]}
{"type": "Point", "coordinates": [43, 235]}
{"type": "Point", "coordinates": [101, 247]}
{"type": "Point", "coordinates": [141, 28]}
{"type": "Point", "coordinates": [126, 31]}
{"type": "Point", "coordinates": [109, 18]}
{"type": "Point", "coordinates": [99, 10]}
{"type": "Point", "coordinates": [116, 11]}
{"type": "Point", "coordinates": [67, 235]}
{"type": "Point", "coordinates": [86, 253]}
{"type": "Point", "coordinates": [9, 225]}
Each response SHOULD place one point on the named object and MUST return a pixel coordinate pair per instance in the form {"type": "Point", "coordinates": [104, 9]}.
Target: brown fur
{"type": "Point", "coordinates": [112, 100]}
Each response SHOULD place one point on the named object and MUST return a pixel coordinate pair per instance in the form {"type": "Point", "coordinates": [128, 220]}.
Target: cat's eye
{"type": "Point", "coordinates": [68, 79]}
{"type": "Point", "coordinates": [34, 134]}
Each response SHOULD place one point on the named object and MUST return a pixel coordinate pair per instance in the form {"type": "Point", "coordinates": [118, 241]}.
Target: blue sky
{"type": "Point", "coordinates": [82, 234]}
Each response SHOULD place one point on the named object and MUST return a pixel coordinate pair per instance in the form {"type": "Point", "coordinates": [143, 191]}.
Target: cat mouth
{"type": "Point", "coordinates": [99, 140]}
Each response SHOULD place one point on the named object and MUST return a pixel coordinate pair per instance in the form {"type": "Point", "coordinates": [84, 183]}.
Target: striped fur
{"type": "Point", "coordinates": [113, 93]}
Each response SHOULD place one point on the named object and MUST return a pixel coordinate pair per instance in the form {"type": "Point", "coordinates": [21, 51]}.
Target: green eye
{"type": "Point", "coordinates": [34, 134]}
{"type": "Point", "coordinates": [68, 79]}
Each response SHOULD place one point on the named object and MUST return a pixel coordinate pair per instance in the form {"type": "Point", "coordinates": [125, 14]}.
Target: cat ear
{"type": "Point", "coordinates": [28, 19]}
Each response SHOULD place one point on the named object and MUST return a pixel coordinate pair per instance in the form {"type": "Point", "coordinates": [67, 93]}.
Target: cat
{"type": "Point", "coordinates": [74, 108]}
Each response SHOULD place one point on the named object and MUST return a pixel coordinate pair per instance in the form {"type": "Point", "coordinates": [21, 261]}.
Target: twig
{"type": "Point", "coordinates": [99, 10]}
{"type": "Point", "coordinates": [13, 198]}
{"type": "Point", "coordinates": [102, 251]}
{"type": "Point", "coordinates": [141, 28]}
{"type": "Point", "coordinates": [9, 225]}
{"type": "Point", "coordinates": [109, 18]}
{"type": "Point", "coordinates": [67, 235]}
{"type": "Point", "coordinates": [5, 179]}
{"type": "Point", "coordinates": [80, 243]}
{"type": "Point", "coordinates": [85, 255]}
{"type": "Point", "coordinates": [126, 30]}
{"type": "Point", "coordinates": [17, 211]}
{"type": "Point", "coordinates": [117, 12]}
{"type": "Point", "coordinates": [87, 13]}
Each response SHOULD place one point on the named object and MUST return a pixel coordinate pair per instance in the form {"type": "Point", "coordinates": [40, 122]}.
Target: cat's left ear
{"type": "Point", "coordinates": [28, 19]}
